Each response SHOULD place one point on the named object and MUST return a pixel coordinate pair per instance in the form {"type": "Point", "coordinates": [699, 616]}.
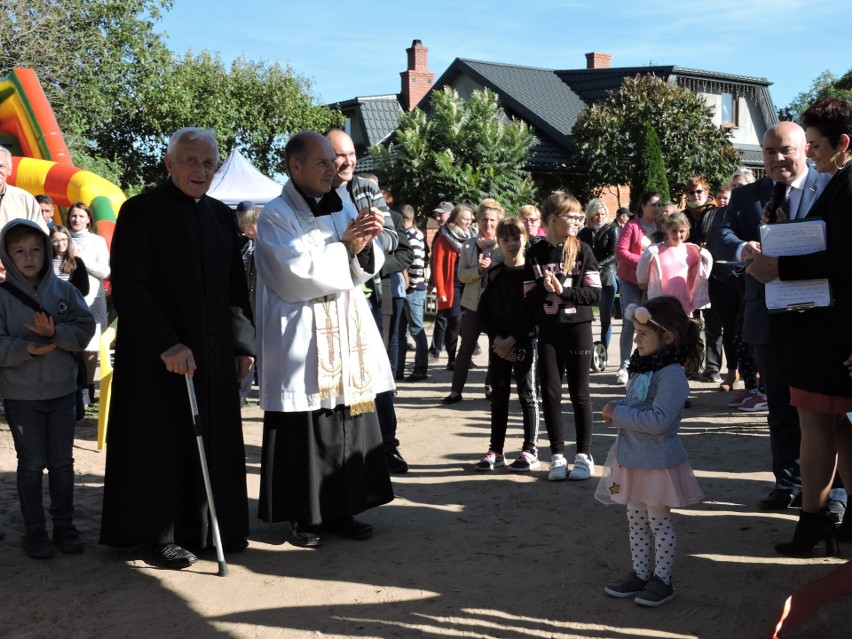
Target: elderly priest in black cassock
{"type": "Point", "coordinates": [180, 291]}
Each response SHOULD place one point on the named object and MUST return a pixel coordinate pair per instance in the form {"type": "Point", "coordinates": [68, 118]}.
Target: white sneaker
{"type": "Point", "coordinates": [558, 469]}
{"type": "Point", "coordinates": [621, 376]}
{"type": "Point", "coordinates": [584, 467]}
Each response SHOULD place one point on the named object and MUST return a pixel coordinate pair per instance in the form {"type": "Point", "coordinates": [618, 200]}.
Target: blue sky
{"type": "Point", "coordinates": [358, 48]}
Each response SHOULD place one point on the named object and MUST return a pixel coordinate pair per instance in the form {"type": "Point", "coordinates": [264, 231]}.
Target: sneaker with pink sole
{"type": "Point", "coordinates": [755, 404]}
{"type": "Point", "coordinates": [740, 397]}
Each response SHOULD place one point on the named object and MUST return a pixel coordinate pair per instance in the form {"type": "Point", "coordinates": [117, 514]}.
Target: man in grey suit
{"type": "Point", "coordinates": [738, 239]}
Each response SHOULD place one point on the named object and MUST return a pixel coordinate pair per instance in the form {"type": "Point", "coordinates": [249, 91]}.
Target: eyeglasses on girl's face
{"type": "Point", "coordinates": [573, 219]}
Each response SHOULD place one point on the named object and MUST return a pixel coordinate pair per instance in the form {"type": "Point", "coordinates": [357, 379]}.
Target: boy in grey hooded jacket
{"type": "Point", "coordinates": [42, 321]}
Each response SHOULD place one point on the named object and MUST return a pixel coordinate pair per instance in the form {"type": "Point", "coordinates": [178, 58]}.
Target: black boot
{"type": "Point", "coordinates": [811, 529]}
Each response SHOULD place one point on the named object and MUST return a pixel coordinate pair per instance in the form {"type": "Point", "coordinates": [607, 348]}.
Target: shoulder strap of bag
{"type": "Point", "coordinates": [23, 297]}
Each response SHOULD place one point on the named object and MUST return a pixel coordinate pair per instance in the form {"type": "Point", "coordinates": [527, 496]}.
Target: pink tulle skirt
{"type": "Point", "coordinates": [673, 487]}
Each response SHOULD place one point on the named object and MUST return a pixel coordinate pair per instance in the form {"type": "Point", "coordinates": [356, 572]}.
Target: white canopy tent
{"type": "Point", "coordinates": [238, 180]}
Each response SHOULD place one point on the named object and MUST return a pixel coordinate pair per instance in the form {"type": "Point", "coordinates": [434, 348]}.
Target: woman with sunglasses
{"type": "Point", "coordinates": [635, 237]}
{"type": "Point", "coordinates": [701, 210]}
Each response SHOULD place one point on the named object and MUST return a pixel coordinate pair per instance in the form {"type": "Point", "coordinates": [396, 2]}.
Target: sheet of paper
{"type": "Point", "coordinates": [797, 294]}
{"type": "Point", "coordinates": [795, 238]}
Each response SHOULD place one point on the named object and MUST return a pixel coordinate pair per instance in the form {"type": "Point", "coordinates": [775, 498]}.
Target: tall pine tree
{"type": "Point", "coordinates": [649, 172]}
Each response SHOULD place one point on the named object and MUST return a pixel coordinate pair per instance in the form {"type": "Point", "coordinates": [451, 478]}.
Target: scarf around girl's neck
{"type": "Point", "coordinates": [455, 236]}
{"type": "Point", "coordinates": [656, 361]}
{"type": "Point", "coordinates": [641, 368]}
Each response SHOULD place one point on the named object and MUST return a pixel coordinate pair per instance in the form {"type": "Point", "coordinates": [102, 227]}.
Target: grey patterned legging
{"type": "Point", "coordinates": [649, 524]}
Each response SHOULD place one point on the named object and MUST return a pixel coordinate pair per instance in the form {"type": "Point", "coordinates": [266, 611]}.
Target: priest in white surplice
{"type": "Point", "coordinates": [321, 358]}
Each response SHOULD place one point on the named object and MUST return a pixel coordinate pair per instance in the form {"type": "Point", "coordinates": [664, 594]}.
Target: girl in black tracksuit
{"type": "Point", "coordinates": [509, 324]}
{"type": "Point", "coordinates": [567, 286]}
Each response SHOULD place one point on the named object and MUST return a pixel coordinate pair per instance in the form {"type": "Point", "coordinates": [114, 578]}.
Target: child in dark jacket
{"type": "Point", "coordinates": [43, 319]}
{"type": "Point", "coordinates": [510, 327]}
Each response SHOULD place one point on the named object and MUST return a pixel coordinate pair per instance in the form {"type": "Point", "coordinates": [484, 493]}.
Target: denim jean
{"type": "Point", "coordinates": [630, 294]}
{"type": "Point", "coordinates": [440, 327]}
{"type": "Point", "coordinates": [412, 320]}
{"type": "Point", "coordinates": [43, 432]}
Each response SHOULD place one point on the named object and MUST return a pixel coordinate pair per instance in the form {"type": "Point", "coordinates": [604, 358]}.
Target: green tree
{"type": "Point", "coordinates": [607, 134]}
{"type": "Point", "coordinates": [461, 151]}
{"type": "Point", "coordinates": [252, 106]}
{"type": "Point", "coordinates": [118, 92]}
{"type": "Point", "coordinates": [93, 58]}
{"type": "Point", "coordinates": [826, 85]}
{"type": "Point", "coordinates": [650, 170]}
{"type": "Point", "coordinates": [272, 103]}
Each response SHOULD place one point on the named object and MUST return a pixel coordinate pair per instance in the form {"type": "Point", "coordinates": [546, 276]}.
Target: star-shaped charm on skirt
{"type": "Point", "coordinates": [614, 489]}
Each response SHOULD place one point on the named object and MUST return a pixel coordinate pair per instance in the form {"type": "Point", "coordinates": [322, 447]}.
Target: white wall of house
{"type": "Point", "coordinates": [748, 127]}
{"type": "Point", "coordinates": [465, 85]}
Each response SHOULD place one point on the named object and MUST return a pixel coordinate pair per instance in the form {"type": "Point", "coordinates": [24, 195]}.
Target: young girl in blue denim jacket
{"type": "Point", "coordinates": [38, 381]}
{"type": "Point", "coordinates": [647, 468]}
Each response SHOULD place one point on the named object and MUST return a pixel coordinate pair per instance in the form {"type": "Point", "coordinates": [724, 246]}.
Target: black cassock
{"type": "Point", "coordinates": [177, 277]}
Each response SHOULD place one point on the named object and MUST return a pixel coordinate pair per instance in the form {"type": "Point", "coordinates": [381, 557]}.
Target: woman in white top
{"type": "Point", "coordinates": [93, 250]}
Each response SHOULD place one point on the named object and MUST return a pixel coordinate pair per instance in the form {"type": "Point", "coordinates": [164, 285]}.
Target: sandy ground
{"type": "Point", "coordinates": [457, 554]}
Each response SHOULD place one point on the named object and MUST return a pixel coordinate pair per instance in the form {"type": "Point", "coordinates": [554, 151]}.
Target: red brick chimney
{"type": "Point", "coordinates": [595, 60]}
{"type": "Point", "coordinates": [416, 79]}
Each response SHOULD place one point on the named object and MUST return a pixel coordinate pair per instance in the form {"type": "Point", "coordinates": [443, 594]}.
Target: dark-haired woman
{"type": "Point", "coordinates": [635, 237]}
{"type": "Point", "coordinates": [817, 341]}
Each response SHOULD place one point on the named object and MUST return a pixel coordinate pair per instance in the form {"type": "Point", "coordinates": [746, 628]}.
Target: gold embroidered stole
{"type": "Point", "coordinates": [340, 326]}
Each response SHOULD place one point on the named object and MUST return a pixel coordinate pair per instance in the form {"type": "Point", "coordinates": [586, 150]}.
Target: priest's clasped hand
{"type": "Point", "coordinates": [179, 360]}
{"type": "Point", "coordinates": [363, 229]}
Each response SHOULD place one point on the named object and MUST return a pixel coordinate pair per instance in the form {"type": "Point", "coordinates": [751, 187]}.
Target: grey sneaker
{"type": "Point", "coordinates": [558, 468]}
{"type": "Point", "coordinates": [628, 586]}
{"type": "Point", "coordinates": [656, 593]}
{"type": "Point", "coordinates": [584, 467]}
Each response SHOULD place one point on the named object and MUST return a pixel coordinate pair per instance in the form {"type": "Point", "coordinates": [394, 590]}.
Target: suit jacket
{"type": "Point", "coordinates": [816, 342]}
{"type": "Point", "coordinates": [742, 224]}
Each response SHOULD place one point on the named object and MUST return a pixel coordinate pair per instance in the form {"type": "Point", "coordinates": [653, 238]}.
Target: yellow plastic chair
{"type": "Point", "coordinates": [105, 363]}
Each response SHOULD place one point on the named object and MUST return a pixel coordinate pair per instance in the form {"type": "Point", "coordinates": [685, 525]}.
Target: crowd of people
{"type": "Point", "coordinates": [321, 295]}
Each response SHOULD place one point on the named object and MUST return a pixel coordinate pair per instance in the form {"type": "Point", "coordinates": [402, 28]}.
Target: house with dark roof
{"type": "Point", "coordinates": [550, 101]}
{"type": "Point", "coordinates": [373, 119]}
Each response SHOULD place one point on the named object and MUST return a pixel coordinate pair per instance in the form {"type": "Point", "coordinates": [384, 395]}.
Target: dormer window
{"type": "Point", "coordinates": [730, 115]}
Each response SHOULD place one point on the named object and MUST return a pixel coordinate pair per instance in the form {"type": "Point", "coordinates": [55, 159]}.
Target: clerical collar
{"type": "Point", "coordinates": [326, 205]}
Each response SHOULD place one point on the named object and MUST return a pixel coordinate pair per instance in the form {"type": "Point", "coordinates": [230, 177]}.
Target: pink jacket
{"type": "Point", "coordinates": [629, 247]}
{"type": "Point", "coordinates": [701, 263]}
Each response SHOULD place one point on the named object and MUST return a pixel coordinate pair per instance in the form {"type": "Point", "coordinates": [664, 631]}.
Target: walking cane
{"type": "Point", "coordinates": [202, 456]}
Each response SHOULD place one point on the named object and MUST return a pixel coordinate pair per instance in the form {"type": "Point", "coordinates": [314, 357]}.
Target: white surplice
{"type": "Point", "coordinates": [296, 272]}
